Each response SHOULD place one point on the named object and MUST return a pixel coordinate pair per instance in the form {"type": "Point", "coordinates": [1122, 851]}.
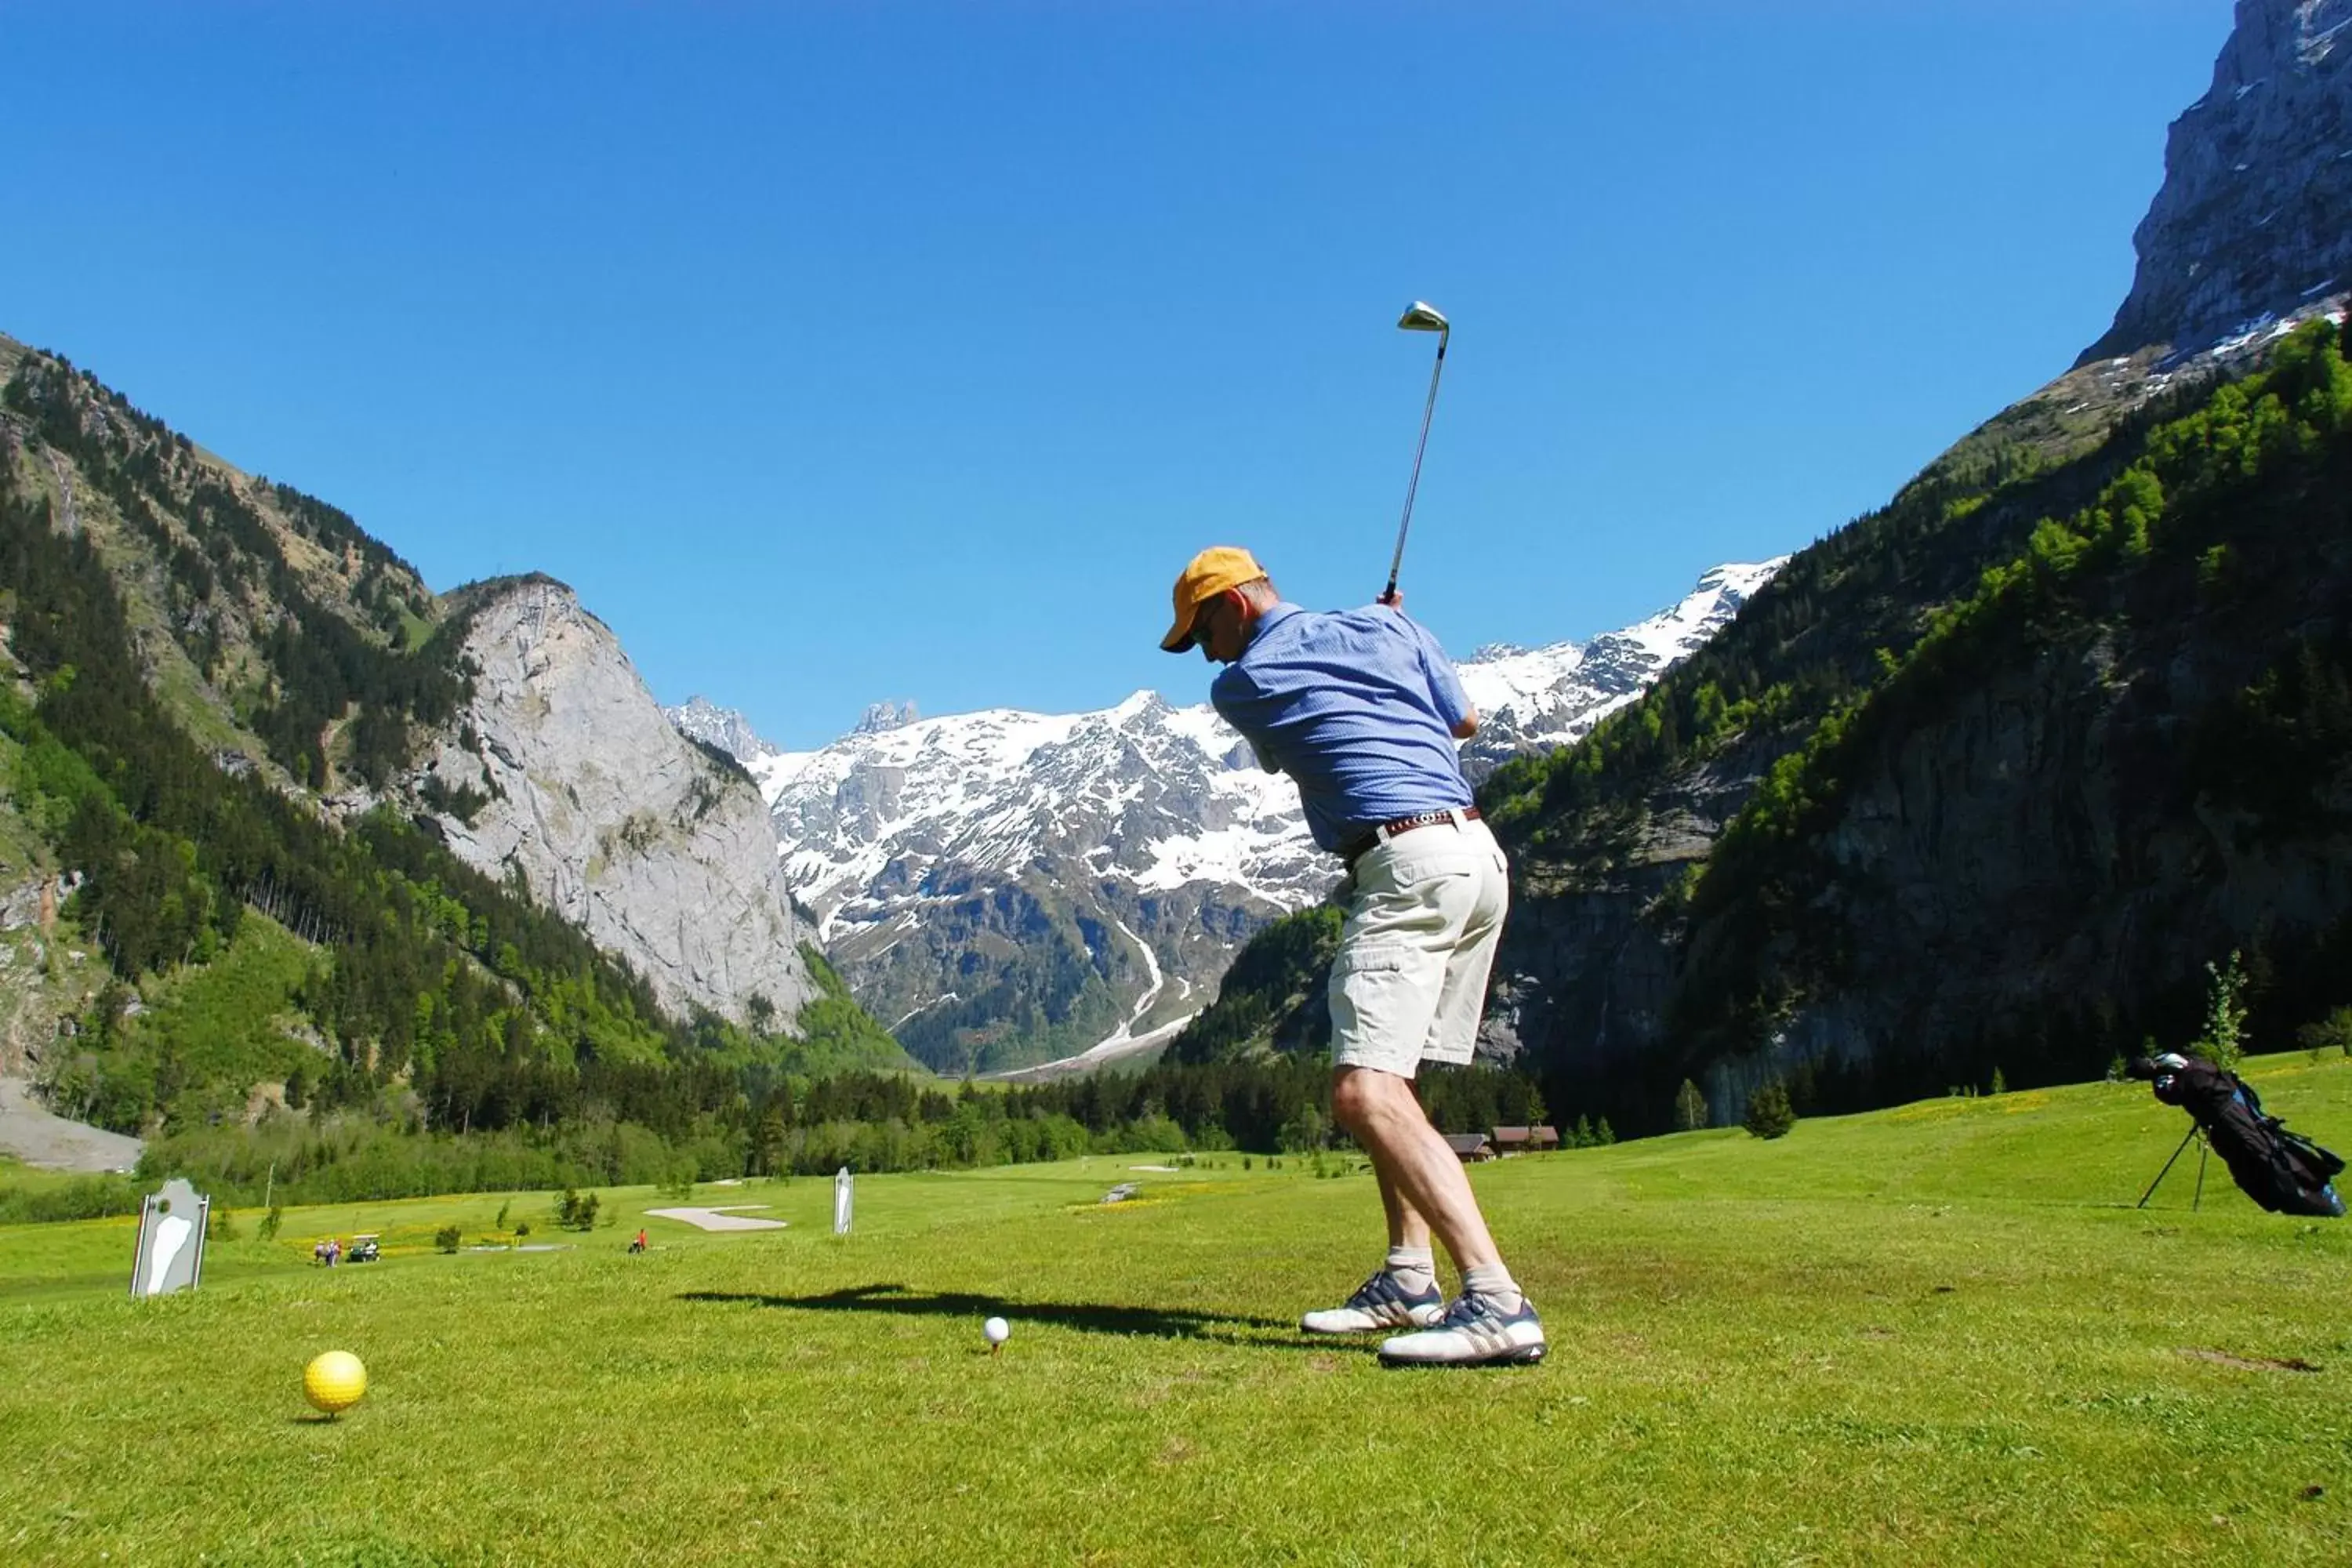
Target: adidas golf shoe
{"type": "Point", "coordinates": [1380, 1302]}
{"type": "Point", "coordinates": [1475, 1332]}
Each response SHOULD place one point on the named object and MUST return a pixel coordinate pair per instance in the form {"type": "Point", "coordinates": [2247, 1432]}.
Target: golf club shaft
{"type": "Point", "coordinates": [1396, 561]}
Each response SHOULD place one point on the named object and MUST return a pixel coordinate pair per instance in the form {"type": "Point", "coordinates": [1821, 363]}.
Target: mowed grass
{"type": "Point", "coordinates": [1936, 1335]}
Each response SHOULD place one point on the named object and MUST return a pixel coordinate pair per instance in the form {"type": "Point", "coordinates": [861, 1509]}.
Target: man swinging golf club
{"type": "Point", "coordinates": [1362, 708]}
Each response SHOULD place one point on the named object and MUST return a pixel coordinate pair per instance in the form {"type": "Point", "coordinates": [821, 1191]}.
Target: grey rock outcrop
{"type": "Point", "coordinates": [663, 854]}
{"type": "Point", "coordinates": [2250, 221]}
{"type": "Point", "coordinates": [724, 728]}
{"type": "Point", "coordinates": [881, 716]}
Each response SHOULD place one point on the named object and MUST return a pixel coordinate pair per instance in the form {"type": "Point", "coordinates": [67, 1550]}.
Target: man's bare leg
{"type": "Point", "coordinates": [1403, 1293]}
{"type": "Point", "coordinates": [1492, 1320]}
{"type": "Point", "coordinates": [1406, 1227]}
{"type": "Point", "coordinates": [1421, 1183]}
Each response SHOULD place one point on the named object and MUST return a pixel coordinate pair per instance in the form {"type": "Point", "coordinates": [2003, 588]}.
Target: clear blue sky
{"type": "Point", "coordinates": [837, 351]}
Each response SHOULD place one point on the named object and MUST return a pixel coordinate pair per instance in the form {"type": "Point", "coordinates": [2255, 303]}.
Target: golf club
{"type": "Point", "coordinates": [1423, 317]}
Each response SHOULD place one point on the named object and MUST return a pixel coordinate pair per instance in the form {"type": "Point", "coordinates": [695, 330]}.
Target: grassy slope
{"type": "Point", "coordinates": [23, 850]}
{"type": "Point", "coordinates": [1940, 1334]}
{"type": "Point", "coordinates": [228, 1021]}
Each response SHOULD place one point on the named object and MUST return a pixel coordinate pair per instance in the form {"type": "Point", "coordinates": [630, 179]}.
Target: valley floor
{"type": "Point", "coordinates": [1937, 1334]}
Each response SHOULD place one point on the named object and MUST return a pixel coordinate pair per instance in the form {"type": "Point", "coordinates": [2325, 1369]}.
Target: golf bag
{"type": "Point", "coordinates": [2284, 1171]}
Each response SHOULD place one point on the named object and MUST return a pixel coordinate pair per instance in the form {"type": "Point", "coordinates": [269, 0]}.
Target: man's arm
{"type": "Point", "coordinates": [1453, 704]}
{"type": "Point", "coordinates": [1228, 694]}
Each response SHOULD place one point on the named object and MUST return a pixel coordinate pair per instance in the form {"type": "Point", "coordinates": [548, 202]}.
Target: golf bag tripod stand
{"type": "Point", "coordinates": [2283, 1172]}
{"type": "Point", "coordinates": [2197, 1136]}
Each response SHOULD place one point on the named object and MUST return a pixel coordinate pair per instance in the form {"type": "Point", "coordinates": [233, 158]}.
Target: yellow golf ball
{"type": "Point", "coordinates": [334, 1381]}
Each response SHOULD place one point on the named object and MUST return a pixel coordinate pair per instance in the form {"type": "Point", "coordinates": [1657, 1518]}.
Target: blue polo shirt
{"type": "Point", "coordinates": [1358, 707]}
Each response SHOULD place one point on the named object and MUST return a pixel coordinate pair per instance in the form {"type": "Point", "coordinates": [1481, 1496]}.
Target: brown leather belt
{"type": "Point", "coordinates": [1355, 848]}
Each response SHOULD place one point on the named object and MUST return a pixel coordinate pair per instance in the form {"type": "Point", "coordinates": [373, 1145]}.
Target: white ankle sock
{"type": "Point", "coordinates": [1495, 1281]}
{"type": "Point", "coordinates": [1413, 1263]}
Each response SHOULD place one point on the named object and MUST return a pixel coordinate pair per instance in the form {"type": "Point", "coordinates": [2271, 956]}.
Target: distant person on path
{"type": "Point", "coordinates": [639, 1243]}
{"type": "Point", "coordinates": [1362, 709]}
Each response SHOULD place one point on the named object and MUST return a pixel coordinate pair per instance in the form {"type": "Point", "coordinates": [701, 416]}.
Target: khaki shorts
{"type": "Point", "coordinates": [1409, 984]}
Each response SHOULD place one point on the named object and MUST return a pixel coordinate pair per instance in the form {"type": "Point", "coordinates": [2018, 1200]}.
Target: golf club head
{"type": "Point", "coordinates": [1423, 317]}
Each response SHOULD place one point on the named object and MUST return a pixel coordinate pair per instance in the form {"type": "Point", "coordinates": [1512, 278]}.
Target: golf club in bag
{"type": "Point", "coordinates": [1420, 317]}
{"type": "Point", "coordinates": [2283, 1170]}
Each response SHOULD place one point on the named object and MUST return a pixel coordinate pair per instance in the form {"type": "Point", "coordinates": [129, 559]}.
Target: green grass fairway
{"type": "Point", "coordinates": [1938, 1334]}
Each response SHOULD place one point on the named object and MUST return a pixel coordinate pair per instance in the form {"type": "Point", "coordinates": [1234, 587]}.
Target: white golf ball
{"type": "Point", "coordinates": [996, 1330]}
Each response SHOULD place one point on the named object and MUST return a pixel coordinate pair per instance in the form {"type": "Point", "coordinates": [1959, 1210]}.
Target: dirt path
{"type": "Point", "coordinates": [29, 1132]}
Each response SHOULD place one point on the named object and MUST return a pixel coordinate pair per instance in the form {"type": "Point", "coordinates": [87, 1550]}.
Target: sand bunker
{"type": "Point", "coordinates": [719, 1218]}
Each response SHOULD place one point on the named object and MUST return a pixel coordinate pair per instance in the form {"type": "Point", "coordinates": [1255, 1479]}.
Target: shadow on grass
{"type": "Point", "coordinates": [1093, 1318]}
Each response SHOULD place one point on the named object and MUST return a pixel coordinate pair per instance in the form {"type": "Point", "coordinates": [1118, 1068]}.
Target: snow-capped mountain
{"type": "Point", "coordinates": [1004, 888]}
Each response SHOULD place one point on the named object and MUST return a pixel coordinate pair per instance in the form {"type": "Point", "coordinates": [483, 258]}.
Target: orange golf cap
{"type": "Point", "coordinates": [1209, 573]}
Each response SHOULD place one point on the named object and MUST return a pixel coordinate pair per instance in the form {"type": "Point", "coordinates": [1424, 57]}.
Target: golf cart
{"type": "Point", "coordinates": [363, 1250]}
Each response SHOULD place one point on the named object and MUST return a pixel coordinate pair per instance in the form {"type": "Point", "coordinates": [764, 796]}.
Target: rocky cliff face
{"type": "Point", "coordinates": [1586, 975]}
{"type": "Point", "coordinates": [2250, 221]}
{"type": "Point", "coordinates": [2064, 847]}
{"type": "Point", "coordinates": [562, 768]}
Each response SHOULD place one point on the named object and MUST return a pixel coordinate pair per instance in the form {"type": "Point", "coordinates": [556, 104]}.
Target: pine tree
{"type": "Point", "coordinates": [1690, 1107]}
{"type": "Point", "coordinates": [1769, 1115]}
{"type": "Point", "coordinates": [2224, 1041]}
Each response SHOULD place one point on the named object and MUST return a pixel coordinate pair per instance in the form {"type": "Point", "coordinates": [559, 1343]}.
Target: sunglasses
{"type": "Point", "coordinates": [1201, 617]}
